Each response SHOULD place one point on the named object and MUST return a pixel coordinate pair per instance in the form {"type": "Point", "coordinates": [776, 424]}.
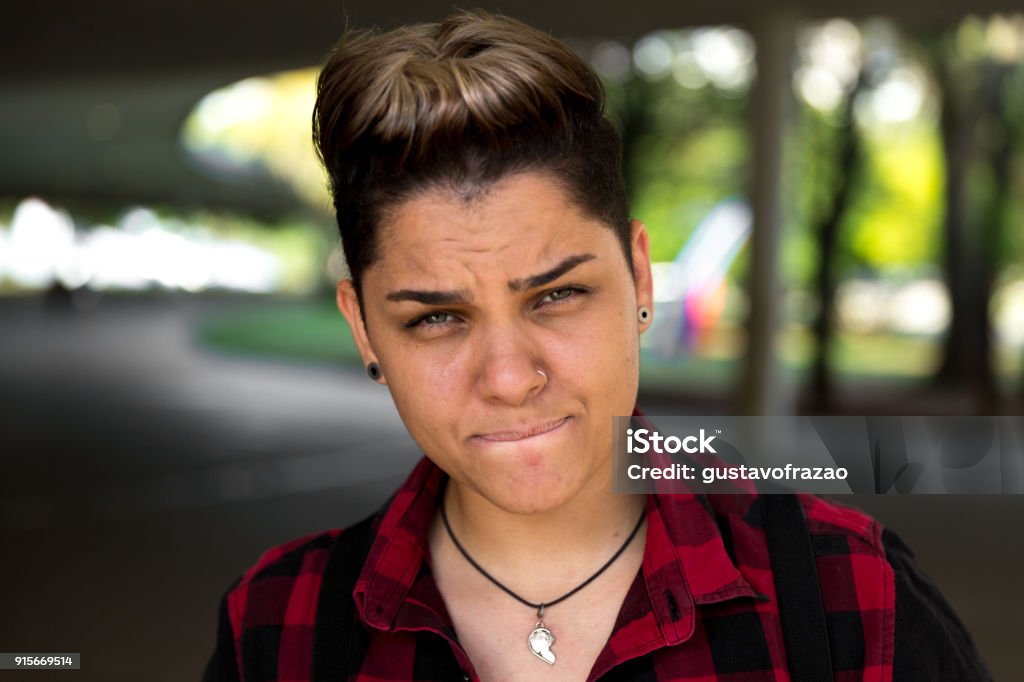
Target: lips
{"type": "Point", "coordinates": [522, 432]}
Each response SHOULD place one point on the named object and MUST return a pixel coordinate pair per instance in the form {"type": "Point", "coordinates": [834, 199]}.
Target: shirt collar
{"type": "Point", "coordinates": [399, 549]}
{"type": "Point", "coordinates": [685, 560]}
{"type": "Point", "coordinates": [686, 563]}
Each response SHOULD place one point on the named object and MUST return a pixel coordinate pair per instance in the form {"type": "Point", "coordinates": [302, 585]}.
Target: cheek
{"type": "Point", "coordinates": [425, 387]}
{"type": "Point", "coordinates": [599, 349]}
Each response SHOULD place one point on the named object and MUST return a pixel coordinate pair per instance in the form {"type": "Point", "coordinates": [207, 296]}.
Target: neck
{"type": "Point", "coordinates": [572, 538]}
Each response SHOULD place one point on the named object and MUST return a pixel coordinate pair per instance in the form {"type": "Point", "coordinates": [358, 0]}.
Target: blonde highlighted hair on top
{"type": "Point", "coordinates": [459, 105]}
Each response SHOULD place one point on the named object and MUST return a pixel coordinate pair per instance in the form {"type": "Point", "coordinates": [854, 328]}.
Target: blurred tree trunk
{"type": "Point", "coordinates": [763, 390]}
{"type": "Point", "coordinates": [1001, 145]}
{"type": "Point", "coordinates": [823, 327]}
{"type": "Point", "coordinates": [968, 264]}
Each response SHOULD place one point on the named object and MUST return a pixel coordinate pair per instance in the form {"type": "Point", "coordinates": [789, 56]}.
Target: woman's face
{"type": "Point", "coordinates": [506, 330]}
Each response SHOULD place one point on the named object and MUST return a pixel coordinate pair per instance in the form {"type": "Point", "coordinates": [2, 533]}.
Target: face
{"type": "Point", "coordinates": [506, 330]}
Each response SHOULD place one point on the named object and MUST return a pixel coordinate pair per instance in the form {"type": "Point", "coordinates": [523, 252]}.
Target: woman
{"type": "Point", "coordinates": [498, 288]}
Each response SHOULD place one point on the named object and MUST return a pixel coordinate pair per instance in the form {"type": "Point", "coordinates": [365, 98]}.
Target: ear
{"type": "Point", "coordinates": [348, 304]}
{"type": "Point", "coordinates": [640, 246]}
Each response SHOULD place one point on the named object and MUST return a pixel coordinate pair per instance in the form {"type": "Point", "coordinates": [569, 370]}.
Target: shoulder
{"type": "Point", "coordinates": [931, 640]}
{"type": "Point", "coordinates": [267, 618]}
{"type": "Point", "coordinates": [853, 570]}
{"type": "Point", "coordinates": [832, 526]}
{"type": "Point", "coordinates": [830, 518]}
{"type": "Point", "coordinates": [857, 582]}
{"type": "Point", "coordinates": [881, 609]}
{"type": "Point", "coordinates": [299, 555]}
{"type": "Point", "coordinates": [283, 586]}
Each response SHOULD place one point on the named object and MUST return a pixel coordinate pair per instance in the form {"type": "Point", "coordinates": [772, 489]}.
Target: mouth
{"type": "Point", "coordinates": [523, 432]}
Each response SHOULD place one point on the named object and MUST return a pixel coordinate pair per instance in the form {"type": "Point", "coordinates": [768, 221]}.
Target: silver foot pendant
{"type": "Point", "coordinates": [541, 639]}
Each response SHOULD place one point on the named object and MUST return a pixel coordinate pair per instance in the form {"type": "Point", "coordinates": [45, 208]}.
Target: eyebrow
{"type": "Point", "coordinates": [550, 275]}
{"type": "Point", "coordinates": [430, 297]}
{"type": "Point", "coordinates": [461, 295]}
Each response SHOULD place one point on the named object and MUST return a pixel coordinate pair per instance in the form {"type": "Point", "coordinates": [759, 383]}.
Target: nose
{"type": "Point", "coordinates": [510, 366]}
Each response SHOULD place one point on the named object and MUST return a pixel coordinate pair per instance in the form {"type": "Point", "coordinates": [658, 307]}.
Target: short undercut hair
{"type": "Point", "coordinates": [460, 105]}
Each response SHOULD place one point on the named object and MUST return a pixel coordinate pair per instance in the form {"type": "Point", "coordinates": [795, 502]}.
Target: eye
{"type": "Point", "coordinates": [563, 294]}
{"type": "Point", "coordinates": [437, 318]}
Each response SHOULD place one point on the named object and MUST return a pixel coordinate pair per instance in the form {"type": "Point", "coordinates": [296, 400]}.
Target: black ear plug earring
{"type": "Point", "coordinates": [643, 313]}
{"type": "Point", "coordinates": [373, 371]}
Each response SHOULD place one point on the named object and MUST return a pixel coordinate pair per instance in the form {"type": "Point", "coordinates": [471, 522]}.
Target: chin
{"type": "Point", "coordinates": [534, 490]}
{"type": "Point", "coordinates": [533, 502]}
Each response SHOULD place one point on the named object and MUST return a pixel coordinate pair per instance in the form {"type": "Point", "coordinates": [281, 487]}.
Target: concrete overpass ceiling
{"type": "Point", "coordinates": [93, 96]}
{"type": "Point", "coordinates": [117, 37]}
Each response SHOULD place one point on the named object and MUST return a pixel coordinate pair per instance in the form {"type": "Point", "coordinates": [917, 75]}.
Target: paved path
{"type": "Point", "coordinates": [140, 474]}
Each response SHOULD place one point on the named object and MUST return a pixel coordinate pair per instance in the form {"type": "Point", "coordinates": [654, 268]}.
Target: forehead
{"type": "Point", "coordinates": [520, 221]}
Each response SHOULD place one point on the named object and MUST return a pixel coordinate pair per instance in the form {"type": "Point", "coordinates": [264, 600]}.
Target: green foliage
{"type": "Point", "coordinates": [895, 218]}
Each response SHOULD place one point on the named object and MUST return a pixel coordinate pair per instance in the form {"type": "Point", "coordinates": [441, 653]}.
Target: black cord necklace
{"type": "Point", "coordinates": [540, 639]}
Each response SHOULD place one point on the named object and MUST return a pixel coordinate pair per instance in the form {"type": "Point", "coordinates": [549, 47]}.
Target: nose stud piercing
{"type": "Point", "coordinates": [373, 371]}
{"type": "Point", "coordinates": [643, 313]}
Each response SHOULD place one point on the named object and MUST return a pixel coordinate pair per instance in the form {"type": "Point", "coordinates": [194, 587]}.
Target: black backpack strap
{"type": "Point", "coordinates": [337, 633]}
{"type": "Point", "coordinates": [801, 610]}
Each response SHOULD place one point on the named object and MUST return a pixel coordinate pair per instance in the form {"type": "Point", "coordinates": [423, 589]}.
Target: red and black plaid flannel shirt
{"type": "Point", "coordinates": [701, 608]}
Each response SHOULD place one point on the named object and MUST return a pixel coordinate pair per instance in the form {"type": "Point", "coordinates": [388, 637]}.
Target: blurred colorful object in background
{"type": "Point", "coordinates": [689, 292]}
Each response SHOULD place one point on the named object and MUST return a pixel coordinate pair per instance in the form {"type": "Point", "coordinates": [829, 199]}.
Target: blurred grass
{"type": "Point", "coordinates": [308, 330]}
